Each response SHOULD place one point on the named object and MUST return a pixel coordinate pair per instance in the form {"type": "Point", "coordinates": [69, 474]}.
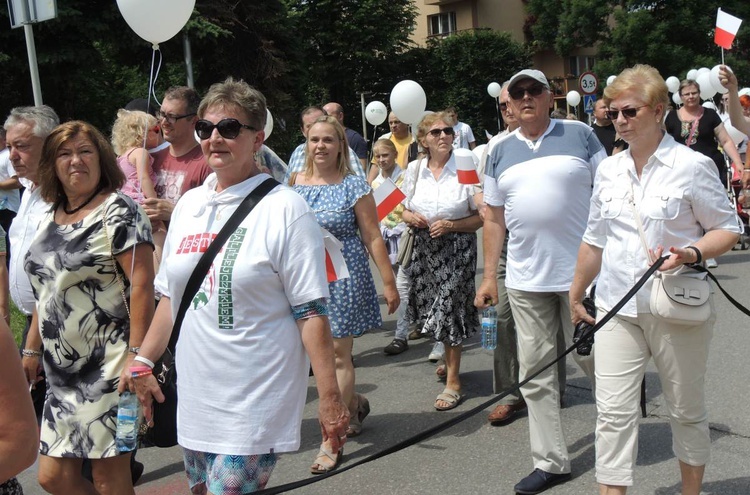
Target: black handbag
{"type": "Point", "coordinates": [164, 431]}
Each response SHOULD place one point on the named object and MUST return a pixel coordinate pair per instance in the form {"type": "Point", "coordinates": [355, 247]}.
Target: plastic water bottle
{"type": "Point", "coordinates": [126, 437]}
{"type": "Point", "coordinates": [489, 328]}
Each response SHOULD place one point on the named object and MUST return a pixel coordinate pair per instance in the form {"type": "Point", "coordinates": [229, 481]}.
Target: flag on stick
{"type": "Point", "coordinates": [335, 264]}
{"type": "Point", "coordinates": [726, 29]}
{"type": "Point", "coordinates": [466, 166]}
{"type": "Point", "coordinates": [387, 197]}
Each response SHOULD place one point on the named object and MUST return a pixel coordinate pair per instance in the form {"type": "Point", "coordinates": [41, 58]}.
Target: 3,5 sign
{"type": "Point", "coordinates": [588, 83]}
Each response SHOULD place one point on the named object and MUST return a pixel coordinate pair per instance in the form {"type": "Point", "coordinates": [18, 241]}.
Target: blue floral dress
{"type": "Point", "coordinates": [353, 306]}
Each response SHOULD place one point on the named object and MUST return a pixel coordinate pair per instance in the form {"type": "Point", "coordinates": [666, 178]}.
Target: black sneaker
{"type": "Point", "coordinates": [396, 347]}
{"type": "Point", "coordinates": [539, 481]}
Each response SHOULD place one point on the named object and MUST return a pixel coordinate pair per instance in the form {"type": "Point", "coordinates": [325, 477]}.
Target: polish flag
{"type": "Point", "coordinates": [726, 29]}
{"type": "Point", "coordinates": [387, 197]}
{"type": "Point", "coordinates": [335, 264]}
{"type": "Point", "coordinates": [466, 166]}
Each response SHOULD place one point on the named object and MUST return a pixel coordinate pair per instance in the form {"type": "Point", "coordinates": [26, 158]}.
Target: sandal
{"type": "Point", "coordinates": [326, 461]}
{"type": "Point", "coordinates": [355, 422]}
{"type": "Point", "coordinates": [441, 371]}
{"type": "Point", "coordinates": [451, 397]}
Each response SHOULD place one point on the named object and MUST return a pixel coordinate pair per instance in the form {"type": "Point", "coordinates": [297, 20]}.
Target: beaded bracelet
{"type": "Point", "coordinates": [31, 353]}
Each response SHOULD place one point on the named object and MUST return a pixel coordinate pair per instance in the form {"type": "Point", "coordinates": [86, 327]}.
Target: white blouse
{"type": "Point", "coordinates": [443, 198]}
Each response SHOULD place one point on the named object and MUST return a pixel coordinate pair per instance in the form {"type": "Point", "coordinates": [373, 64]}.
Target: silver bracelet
{"type": "Point", "coordinates": [31, 353]}
{"type": "Point", "coordinates": [134, 350]}
{"type": "Point", "coordinates": [145, 361]}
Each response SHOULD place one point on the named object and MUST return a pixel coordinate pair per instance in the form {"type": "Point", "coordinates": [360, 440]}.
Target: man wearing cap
{"type": "Point", "coordinates": [538, 185]}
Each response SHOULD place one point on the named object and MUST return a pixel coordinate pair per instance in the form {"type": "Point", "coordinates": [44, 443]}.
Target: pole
{"type": "Point", "coordinates": [364, 118]}
{"type": "Point", "coordinates": [36, 85]}
{"type": "Point", "coordinates": [188, 60]}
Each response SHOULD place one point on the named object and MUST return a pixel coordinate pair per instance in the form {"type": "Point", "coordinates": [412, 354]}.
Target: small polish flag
{"type": "Point", "coordinates": [335, 264]}
{"type": "Point", "coordinates": [466, 166]}
{"type": "Point", "coordinates": [726, 29]}
{"type": "Point", "coordinates": [387, 197]}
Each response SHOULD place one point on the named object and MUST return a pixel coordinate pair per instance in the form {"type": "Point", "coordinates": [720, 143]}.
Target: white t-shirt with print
{"type": "Point", "coordinates": [240, 360]}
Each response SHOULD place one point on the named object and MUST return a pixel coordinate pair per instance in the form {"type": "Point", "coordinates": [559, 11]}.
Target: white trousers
{"type": "Point", "coordinates": [623, 348]}
{"type": "Point", "coordinates": [540, 317]}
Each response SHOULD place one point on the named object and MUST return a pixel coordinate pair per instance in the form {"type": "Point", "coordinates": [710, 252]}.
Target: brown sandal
{"type": "Point", "coordinates": [355, 422]}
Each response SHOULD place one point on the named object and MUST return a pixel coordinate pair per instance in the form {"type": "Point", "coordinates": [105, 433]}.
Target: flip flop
{"type": "Point", "coordinates": [452, 397]}
{"type": "Point", "coordinates": [326, 461]}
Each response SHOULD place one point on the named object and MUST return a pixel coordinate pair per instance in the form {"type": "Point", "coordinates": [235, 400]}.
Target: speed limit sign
{"type": "Point", "coordinates": [588, 83]}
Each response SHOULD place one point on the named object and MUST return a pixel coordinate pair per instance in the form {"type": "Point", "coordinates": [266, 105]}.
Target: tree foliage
{"type": "Point", "coordinates": [563, 25]}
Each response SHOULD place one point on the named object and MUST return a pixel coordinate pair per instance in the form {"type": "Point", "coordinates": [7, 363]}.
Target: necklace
{"type": "Point", "coordinates": [78, 208]}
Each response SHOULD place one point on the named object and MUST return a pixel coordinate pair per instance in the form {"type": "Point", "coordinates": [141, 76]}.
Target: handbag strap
{"type": "Point", "coordinates": [204, 263]}
{"type": "Point", "coordinates": [638, 222]}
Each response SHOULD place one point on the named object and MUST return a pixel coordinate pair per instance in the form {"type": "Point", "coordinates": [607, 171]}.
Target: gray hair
{"type": "Point", "coordinates": [237, 94]}
{"type": "Point", "coordinates": [43, 118]}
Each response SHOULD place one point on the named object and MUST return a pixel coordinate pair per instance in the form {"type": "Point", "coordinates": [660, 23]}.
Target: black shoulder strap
{"type": "Point", "coordinates": [204, 263]}
{"type": "Point", "coordinates": [732, 300]}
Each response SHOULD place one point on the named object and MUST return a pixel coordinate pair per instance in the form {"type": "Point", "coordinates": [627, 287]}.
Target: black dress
{"type": "Point", "coordinates": [703, 139]}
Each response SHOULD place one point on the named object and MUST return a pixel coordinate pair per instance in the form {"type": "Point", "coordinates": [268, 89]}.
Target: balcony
{"type": "Point", "coordinates": [441, 2]}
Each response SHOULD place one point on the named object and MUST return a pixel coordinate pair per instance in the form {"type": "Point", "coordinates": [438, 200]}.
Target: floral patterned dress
{"type": "Point", "coordinates": [353, 306]}
{"type": "Point", "coordinates": [84, 324]}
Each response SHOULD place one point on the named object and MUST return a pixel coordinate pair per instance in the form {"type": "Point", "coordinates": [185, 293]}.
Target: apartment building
{"type": "Point", "coordinates": [439, 18]}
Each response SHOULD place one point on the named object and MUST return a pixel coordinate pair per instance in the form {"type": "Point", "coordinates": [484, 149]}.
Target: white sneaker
{"type": "Point", "coordinates": [437, 353]}
{"type": "Point", "coordinates": [711, 263]}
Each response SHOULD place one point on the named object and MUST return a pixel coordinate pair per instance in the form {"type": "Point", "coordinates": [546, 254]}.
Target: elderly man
{"type": "Point", "coordinates": [406, 146]}
{"type": "Point", "coordinates": [297, 161]}
{"type": "Point", "coordinates": [605, 130]}
{"type": "Point", "coordinates": [181, 166]}
{"type": "Point", "coordinates": [27, 128]}
{"type": "Point", "coordinates": [355, 139]}
{"type": "Point", "coordinates": [555, 160]}
{"type": "Point", "coordinates": [10, 198]}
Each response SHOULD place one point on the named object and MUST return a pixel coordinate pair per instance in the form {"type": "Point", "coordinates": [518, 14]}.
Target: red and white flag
{"type": "Point", "coordinates": [726, 29]}
{"type": "Point", "coordinates": [335, 264]}
{"type": "Point", "coordinates": [387, 197]}
{"type": "Point", "coordinates": [466, 166]}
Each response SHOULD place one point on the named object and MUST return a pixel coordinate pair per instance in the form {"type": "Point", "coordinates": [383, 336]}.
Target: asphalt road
{"type": "Point", "coordinates": [473, 457]}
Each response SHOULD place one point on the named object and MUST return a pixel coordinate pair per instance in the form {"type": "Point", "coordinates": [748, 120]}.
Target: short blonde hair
{"type": "Point", "coordinates": [343, 157]}
{"type": "Point", "coordinates": [385, 143]}
{"type": "Point", "coordinates": [428, 121]}
{"type": "Point", "coordinates": [641, 78]}
{"type": "Point", "coordinates": [130, 128]}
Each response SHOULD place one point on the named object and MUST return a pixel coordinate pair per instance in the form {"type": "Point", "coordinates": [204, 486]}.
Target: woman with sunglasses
{"type": "Point", "coordinates": [344, 205]}
{"type": "Point", "coordinates": [673, 193]}
{"type": "Point", "coordinates": [137, 164]}
{"type": "Point", "coordinates": [242, 353]}
{"type": "Point", "coordinates": [444, 217]}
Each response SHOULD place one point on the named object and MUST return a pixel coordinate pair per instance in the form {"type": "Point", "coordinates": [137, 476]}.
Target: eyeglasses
{"type": "Point", "coordinates": [436, 132]}
{"type": "Point", "coordinates": [171, 118]}
{"type": "Point", "coordinates": [534, 90]}
{"type": "Point", "coordinates": [628, 113]}
{"type": "Point", "coordinates": [228, 128]}
{"type": "Point", "coordinates": [503, 107]}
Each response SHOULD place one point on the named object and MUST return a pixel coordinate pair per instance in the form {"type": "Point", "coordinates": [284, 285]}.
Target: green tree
{"type": "Point", "coordinates": [563, 25]}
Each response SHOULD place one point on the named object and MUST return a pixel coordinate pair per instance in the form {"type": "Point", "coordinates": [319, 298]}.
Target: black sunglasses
{"type": "Point", "coordinates": [436, 132]}
{"type": "Point", "coordinates": [534, 90]}
{"type": "Point", "coordinates": [503, 107]}
{"type": "Point", "coordinates": [628, 113]}
{"type": "Point", "coordinates": [228, 128]}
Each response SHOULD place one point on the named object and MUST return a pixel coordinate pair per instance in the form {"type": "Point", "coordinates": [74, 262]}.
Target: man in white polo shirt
{"type": "Point", "coordinates": [538, 185]}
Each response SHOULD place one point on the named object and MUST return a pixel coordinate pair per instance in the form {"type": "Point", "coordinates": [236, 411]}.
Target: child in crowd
{"type": "Point", "coordinates": [129, 132]}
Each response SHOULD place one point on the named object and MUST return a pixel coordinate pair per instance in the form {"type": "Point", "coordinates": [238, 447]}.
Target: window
{"type": "Point", "coordinates": [580, 64]}
{"type": "Point", "coordinates": [442, 24]}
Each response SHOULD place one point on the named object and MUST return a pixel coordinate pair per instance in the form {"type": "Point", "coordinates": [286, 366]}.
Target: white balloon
{"type": "Point", "coordinates": [376, 113]}
{"type": "Point", "coordinates": [692, 74]}
{"type": "Point", "coordinates": [709, 104]}
{"type": "Point", "coordinates": [156, 21]}
{"type": "Point", "coordinates": [408, 101]}
{"type": "Point", "coordinates": [676, 98]}
{"type": "Point", "coordinates": [673, 84]}
{"type": "Point", "coordinates": [734, 133]}
{"type": "Point", "coordinates": [268, 129]}
{"type": "Point", "coordinates": [703, 70]}
{"type": "Point", "coordinates": [479, 151]}
{"type": "Point", "coordinates": [707, 89]}
{"type": "Point", "coordinates": [611, 79]}
{"type": "Point", "coordinates": [715, 81]}
{"type": "Point", "coordinates": [494, 89]}
{"type": "Point", "coordinates": [573, 98]}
